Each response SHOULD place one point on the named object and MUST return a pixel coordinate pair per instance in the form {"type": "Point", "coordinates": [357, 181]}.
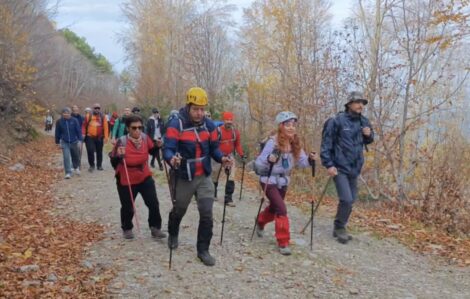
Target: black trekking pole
{"type": "Point", "coordinates": [227, 172]}
{"type": "Point", "coordinates": [262, 199]}
{"type": "Point", "coordinates": [310, 222]}
{"type": "Point", "coordinates": [217, 182]}
{"type": "Point", "coordinates": [173, 201]}
{"type": "Point", "coordinates": [313, 164]}
{"type": "Point", "coordinates": [243, 176]}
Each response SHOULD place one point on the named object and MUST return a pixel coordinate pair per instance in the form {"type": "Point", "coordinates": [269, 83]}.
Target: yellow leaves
{"type": "Point", "coordinates": [25, 255]}
{"type": "Point", "coordinates": [434, 39]}
{"type": "Point", "coordinates": [28, 253]}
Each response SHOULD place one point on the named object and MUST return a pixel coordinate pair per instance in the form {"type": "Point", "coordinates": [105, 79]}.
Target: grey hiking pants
{"type": "Point", "coordinates": [204, 188]}
{"type": "Point", "coordinates": [346, 188]}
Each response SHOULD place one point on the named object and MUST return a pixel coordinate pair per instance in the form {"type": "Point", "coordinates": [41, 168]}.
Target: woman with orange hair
{"type": "Point", "coordinates": [283, 151]}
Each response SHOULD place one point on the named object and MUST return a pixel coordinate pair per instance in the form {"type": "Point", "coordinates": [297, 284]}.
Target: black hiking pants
{"type": "Point", "coordinates": [156, 154]}
{"type": "Point", "coordinates": [94, 145]}
{"type": "Point", "coordinates": [147, 190]}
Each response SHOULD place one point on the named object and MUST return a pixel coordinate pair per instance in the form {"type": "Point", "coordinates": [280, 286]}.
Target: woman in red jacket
{"type": "Point", "coordinates": [132, 150]}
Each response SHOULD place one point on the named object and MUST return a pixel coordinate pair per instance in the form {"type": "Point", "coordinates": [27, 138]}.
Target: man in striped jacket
{"type": "Point", "coordinates": [190, 143]}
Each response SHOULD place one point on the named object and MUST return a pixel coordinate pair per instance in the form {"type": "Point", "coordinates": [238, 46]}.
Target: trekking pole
{"type": "Point", "coordinates": [262, 199]}
{"type": "Point", "coordinates": [317, 206]}
{"type": "Point", "coordinates": [217, 181]}
{"type": "Point", "coordinates": [313, 164]}
{"type": "Point", "coordinates": [173, 201]}
{"type": "Point", "coordinates": [136, 215]}
{"type": "Point", "coordinates": [243, 176]}
{"type": "Point", "coordinates": [227, 172]}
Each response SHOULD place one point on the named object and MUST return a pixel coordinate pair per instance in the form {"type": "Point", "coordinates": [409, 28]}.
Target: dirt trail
{"type": "Point", "coordinates": [365, 268]}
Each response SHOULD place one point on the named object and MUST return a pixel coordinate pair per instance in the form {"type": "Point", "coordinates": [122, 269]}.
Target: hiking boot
{"type": "Point", "coordinates": [259, 231]}
{"type": "Point", "coordinates": [206, 258]}
{"type": "Point", "coordinates": [341, 235]}
{"type": "Point", "coordinates": [160, 167]}
{"type": "Point", "coordinates": [230, 203]}
{"type": "Point", "coordinates": [100, 168]}
{"type": "Point", "coordinates": [68, 176]}
{"type": "Point", "coordinates": [128, 234]}
{"type": "Point", "coordinates": [77, 171]}
{"type": "Point", "coordinates": [285, 250]}
{"type": "Point", "coordinates": [172, 242]}
{"type": "Point", "coordinates": [91, 169]}
{"type": "Point", "coordinates": [152, 164]}
{"type": "Point", "coordinates": [157, 233]}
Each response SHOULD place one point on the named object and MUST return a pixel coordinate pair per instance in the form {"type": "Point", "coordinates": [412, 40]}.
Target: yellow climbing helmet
{"type": "Point", "coordinates": [196, 96]}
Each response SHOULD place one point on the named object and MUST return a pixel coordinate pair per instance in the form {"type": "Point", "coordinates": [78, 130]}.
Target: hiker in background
{"type": "Point", "coordinates": [76, 114]}
{"type": "Point", "coordinates": [48, 121]}
{"type": "Point", "coordinates": [130, 160]}
{"type": "Point", "coordinates": [95, 130]}
{"type": "Point", "coordinates": [229, 143]}
{"type": "Point", "coordinates": [112, 121]}
{"type": "Point", "coordinates": [343, 140]}
{"type": "Point", "coordinates": [190, 143]}
{"type": "Point", "coordinates": [282, 152]}
{"type": "Point", "coordinates": [68, 135]}
{"type": "Point", "coordinates": [155, 129]}
{"type": "Point", "coordinates": [119, 128]}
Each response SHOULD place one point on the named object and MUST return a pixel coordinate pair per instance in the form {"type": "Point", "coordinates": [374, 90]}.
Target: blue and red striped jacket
{"type": "Point", "coordinates": [196, 145]}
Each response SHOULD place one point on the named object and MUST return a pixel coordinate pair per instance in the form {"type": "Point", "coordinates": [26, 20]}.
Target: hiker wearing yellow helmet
{"type": "Point", "coordinates": [189, 144]}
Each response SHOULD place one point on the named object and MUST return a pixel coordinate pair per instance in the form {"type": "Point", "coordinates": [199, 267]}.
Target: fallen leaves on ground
{"type": "Point", "coordinates": [40, 254]}
{"type": "Point", "coordinates": [386, 220]}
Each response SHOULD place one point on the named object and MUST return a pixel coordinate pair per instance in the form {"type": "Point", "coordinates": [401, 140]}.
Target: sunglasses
{"type": "Point", "coordinates": [97, 108]}
{"type": "Point", "coordinates": [137, 128]}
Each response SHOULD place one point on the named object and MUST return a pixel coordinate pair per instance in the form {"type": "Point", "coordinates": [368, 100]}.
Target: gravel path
{"type": "Point", "coordinates": [365, 268]}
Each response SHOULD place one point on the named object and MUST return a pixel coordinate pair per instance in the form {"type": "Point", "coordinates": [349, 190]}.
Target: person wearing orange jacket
{"type": "Point", "coordinates": [229, 143]}
{"type": "Point", "coordinates": [96, 132]}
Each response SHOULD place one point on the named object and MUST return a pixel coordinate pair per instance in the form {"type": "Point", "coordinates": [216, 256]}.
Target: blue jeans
{"type": "Point", "coordinates": [346, 187]}
{"type": "Point", "coordinates": [71, 154]}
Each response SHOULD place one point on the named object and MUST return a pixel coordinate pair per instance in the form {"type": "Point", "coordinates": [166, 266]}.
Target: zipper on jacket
{"type": "Point", "coordinates": [68, 131]}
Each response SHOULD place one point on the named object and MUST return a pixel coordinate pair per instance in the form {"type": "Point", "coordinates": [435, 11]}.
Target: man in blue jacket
{"type": "Point", "coordinates": [190, 143]}
{"type": "Point", "coordinates": [68, 134]}
{"type": "Point", "coordinates": [343, 140]}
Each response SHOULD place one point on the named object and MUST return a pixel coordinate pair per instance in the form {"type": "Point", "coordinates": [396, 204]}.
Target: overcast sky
{"type": "Point", "coordinates": [100, 22]}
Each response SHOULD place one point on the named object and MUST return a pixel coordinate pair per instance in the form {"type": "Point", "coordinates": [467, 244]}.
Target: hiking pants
{"type": "Point", "coordinates": [156, 154]}
{"type": "Point", "coordinates": [71, 155]}
{"type": "Point", "coordinates": [276, 211]}
{"type": "Point", "coordinates": [346, 188]}
{"type": "Point", "coordinates": [218, 174]}
{"type": "Point", "coordinates": [94, 144]}
{"type": "Point", "coordinates": [147, 190]}
{"type": "Point", "coordinates": [185, 190]}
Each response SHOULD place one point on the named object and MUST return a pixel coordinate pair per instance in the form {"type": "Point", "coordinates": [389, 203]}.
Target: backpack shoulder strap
{"type": "Point", "coordinates": [219, 134]}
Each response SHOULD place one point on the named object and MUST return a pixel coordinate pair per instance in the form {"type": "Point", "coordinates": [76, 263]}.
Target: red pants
{"type": "Point", "coordinates": [276, 211]}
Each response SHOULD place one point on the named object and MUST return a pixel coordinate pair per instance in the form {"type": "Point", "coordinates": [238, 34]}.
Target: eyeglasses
{"type": "Point", "coordinates": [137, 128]}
